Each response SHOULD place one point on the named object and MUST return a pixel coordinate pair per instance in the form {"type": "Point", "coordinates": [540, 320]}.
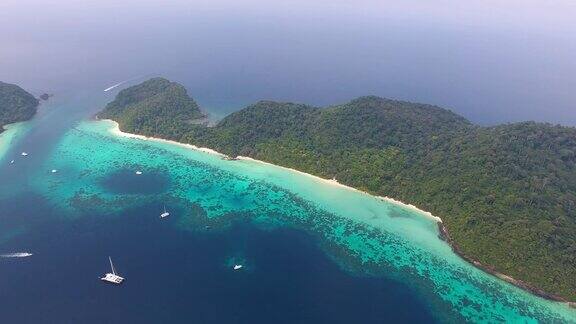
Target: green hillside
{"type": "Point", "coordinates": [153, 107]}
{"type": "Point", "coordinates": [16, 105]}
{"type": "Point", "coordinates": [506, 194]}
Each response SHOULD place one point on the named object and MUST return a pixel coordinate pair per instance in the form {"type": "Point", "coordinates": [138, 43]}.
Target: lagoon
{"type": "Point", "coordinates": [312, 250]}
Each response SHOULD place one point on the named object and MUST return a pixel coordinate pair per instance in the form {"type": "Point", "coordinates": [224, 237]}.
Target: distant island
{"type": "Point", "coordinates": [506, 194]}
{"type": "Point", "coordinates": [46, 96]}
{"type": "Point", "coordinates": [16, 104]}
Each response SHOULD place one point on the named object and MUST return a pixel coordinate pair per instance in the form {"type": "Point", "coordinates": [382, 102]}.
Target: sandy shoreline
{"type": "Point", "coordinates": [8, 133]}
{"type": "Point", "coordinates": [443, 232]}
{"type": "Point", "coordinates": [116, 131]}
{"type": "Point", "coordinates": [333, 182]}
{"type": "Point", "coordinates": [444, 235]}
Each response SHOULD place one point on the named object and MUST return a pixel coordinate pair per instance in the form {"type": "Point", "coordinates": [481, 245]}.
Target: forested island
{"type": "Point", "coordinates": [16, 104]}
{"type": "Point", "coordinates": [506, 194]}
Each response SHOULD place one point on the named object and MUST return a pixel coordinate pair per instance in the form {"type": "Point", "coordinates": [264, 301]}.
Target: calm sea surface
{"type": "Point", "coordinates": [312, 252]}
{"type": "Point", "coordinates": [490, 61]}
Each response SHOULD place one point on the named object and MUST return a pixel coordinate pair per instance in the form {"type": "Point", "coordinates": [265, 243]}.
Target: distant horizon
{"type": "Point", "coordinates": [487, 61]}
{"type": "Point", "coordinates": [214, 116]}
{"type": "Point", "coordinates": [344, 102]}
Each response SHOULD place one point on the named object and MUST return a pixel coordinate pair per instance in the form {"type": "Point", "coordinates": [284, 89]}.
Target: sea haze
{"type": "Point", "coordinates": [489, 61]}
{"type": "Point", "coordinates": [311, 251]}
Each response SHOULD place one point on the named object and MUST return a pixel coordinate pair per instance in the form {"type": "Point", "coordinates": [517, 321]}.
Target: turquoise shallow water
{"type": "Point", "coordinates": [11, 134]}
{"type": "Point", "coordinates": [364, 234]}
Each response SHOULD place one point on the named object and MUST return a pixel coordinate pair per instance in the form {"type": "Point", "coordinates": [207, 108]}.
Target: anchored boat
{"type": "Point", "coordinates": [112, 277]}
{"type": "Point", "coordinates": [165, 213]}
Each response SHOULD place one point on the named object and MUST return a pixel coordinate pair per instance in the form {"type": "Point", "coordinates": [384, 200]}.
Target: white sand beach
{"type": "Point", "coordinates": [116, 131]}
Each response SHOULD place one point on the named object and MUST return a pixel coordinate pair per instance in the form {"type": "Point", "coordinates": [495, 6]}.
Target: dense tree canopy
{"type": "Point", "coordinates": [15, 104]}
{"type": "Point", "coordinates": [153, 107]}
{"type": "Point", "coordinates": [507, 194]}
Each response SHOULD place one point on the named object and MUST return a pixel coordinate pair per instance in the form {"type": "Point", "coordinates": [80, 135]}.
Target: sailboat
{"type": "Point", "coordinates": [112, 277]}
{"type": "Point", "coordinates": [165, 213]}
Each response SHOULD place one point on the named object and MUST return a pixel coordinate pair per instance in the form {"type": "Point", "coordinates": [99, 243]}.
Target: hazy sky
{"type": "Point", "coordinates": [491, 61]}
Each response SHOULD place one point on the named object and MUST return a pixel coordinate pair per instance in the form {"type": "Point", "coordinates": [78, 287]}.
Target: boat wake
{"type": "Point", "coordinates": [121, 83]}
{"type": "Point", "coordinates": [16, 255]}
{"type": "Point", "coordinates": [115, 86]}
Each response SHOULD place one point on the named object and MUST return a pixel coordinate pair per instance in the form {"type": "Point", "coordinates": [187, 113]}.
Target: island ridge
{"type": "Point", "coordinates": [16, 104]}
{"type": "Point", "coordinates": [506, 194]}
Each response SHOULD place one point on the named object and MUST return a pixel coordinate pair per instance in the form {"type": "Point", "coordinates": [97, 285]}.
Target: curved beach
{"type": "Point", "coordinates": [116, 131]}
{"type": "Point", "coordinates": [420, 235]}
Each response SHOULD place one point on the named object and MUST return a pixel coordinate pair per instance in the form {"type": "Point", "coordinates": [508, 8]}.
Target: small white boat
{"type": "Point", "coordinates": [138, 172]}
{"type": "Point", "coordinates": [24, 154]}
{"type": "Point", "coordinates": [54, 171]}
{"type": "Point", "coordinates": [238, 267]}
{"type": "Point", "coordinates": [12, 162]}
{"type": "Point", "coordinates": [112, 277]}
{"type": "Point", "coordinates": [165, 213]}
{"type": "Point", "coordinates": [16, 255]}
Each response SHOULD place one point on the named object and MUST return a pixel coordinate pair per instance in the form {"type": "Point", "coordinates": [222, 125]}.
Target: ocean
{"type": "Point", "coordinates": [311, 251]}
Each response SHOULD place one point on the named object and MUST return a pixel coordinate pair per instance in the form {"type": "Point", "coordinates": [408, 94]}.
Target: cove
{"type": "Point", "coordinates": [366, 236]}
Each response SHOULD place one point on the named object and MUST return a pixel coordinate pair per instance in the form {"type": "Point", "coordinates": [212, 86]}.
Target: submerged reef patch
{"type": "Point", "coordinates": [365, 235]}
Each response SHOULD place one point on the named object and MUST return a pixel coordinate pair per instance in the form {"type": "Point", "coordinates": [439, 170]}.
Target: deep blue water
{"type": "Point", "coordinates": [127, 181]}
{"type": "Point", "coordinates": [176, 276]}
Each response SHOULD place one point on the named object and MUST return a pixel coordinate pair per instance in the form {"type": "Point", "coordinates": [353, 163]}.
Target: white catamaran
{"type": "Point", "coordinates": [112, 277]}
{"type": "Point", "coordinates": [165, 213]}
